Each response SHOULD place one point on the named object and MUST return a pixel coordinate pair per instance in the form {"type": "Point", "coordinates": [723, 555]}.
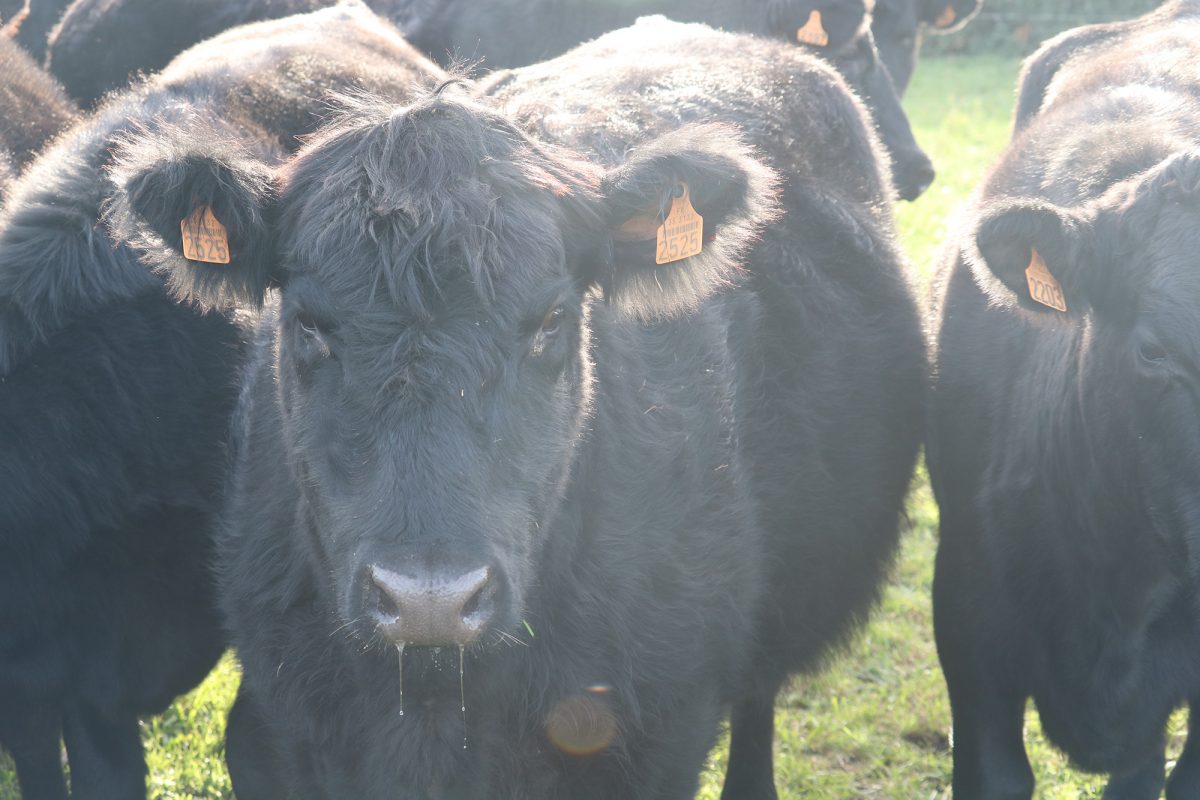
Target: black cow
{"type": "Point", "coordinates": [577, 100]}
{"type": "Point", "coordinates": [31, 21]}
{"type": "Point", "coordinates": [512, 33]}
{"type": "Point", "coordinates": [1040, 69]}
{"type": "Point", "coordinates": [33, 107]}
{"type": "Point", "coordinates": [114, 401]}
{"type": "Point", "coordinates": [1064, 438]}
{"type": "Point", "coordinates": [899, 24]}
{"type": "Point", "coordinates": [515, 511]}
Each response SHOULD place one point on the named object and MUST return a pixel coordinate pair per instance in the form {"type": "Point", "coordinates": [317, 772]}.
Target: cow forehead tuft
{"type": "Point", "coordinates": [416, 202]}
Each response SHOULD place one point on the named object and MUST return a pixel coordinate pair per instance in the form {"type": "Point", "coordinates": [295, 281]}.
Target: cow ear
{"type": "Point", "coordinates": [947, 16]}
{"type": "Point", "coordinates": [680, 214]}
{"type": "Point", "coordinates": [1041, 252]}
{"type": "Point", "coordinates": [821, 24]}
{"type": "Point", "coordinates": [197, 208]}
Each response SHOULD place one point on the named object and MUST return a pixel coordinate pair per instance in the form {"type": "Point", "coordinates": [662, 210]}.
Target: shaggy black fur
{"type": "Point", "coordinates": [1064, 447]}
{"type": "Point", "coordinates": [33, 107]}
{"type": "Point", "coordinates": [898, 26]}
{"type": "Point", "coordinates": [686, 479]}
{"type": "Point", "coordinates": [114, 402]}
{"type": "Point", "coordinates": [512, 33]}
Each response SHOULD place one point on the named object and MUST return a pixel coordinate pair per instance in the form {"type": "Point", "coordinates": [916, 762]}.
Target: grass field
{"type": "Point", "coordinates": [876, 723]}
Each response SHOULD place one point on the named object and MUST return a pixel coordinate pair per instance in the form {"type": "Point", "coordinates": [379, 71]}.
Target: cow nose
{"type": "Point", "coordinates": [432, 609]}
{"type": "Point", "coordinates": [913, 176]}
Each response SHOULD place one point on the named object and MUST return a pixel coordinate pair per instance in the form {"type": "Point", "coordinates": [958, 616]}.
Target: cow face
{"type": "Point", "coordinates": [433, 344]}
{"type": "Point", "coordinates": [1128, 264]}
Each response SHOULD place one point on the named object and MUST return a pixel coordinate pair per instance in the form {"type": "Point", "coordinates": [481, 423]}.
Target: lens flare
{"type": "Point", "coordinates": [582, 724]}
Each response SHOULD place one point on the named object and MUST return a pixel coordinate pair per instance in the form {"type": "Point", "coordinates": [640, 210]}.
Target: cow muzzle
{"type": "Point", "coordinates": [433, 609]}
{"type": "Point", "coordinates": [912, 173]}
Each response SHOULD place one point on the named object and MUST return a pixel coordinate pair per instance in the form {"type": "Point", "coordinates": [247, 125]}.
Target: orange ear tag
{"type": "Point", "coordinates": [1044, 287]}
{"type": "Point", "coordinates": [681, 234]}
{"type": "Point", "coordinates": [204, 237]}
{"type": "Point", "coordinates": [813, 31]}
{"type": "Point", "coordinates": [946, 18]}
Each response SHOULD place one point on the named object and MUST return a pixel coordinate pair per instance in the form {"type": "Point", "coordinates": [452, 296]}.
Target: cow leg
{"type": "Point", "coordinates": [33, 741]}
{"type": "Point", "coordinates": [1185, 778]}
{"type": "Point", "coordinates": [1141, 783]}
{"type": "Point", "coordinates": [987, 703]}
{"type": "Point", "coordinates": [105, 755]}
{"type": "Point", "coordinates": [989, 744]}
{"type": "Point", "coordinates": [248, 754]}
{"type": "Point", "coordinates": [750, 774]}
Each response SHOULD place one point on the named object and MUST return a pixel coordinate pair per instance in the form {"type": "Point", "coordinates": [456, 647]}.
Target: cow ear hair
{"type": "Point", "coordinates": [164, 177]}
{"type": "Point", "coordinates": [1022, 236]}
{"type": "Point", "coordinates": [734, 194]}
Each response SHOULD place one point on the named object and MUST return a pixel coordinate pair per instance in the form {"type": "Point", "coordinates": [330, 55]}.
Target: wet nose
{"type": "Point", "coordinates": [913, 175]}
{"type": "Point", "coordinates": [433, 609]}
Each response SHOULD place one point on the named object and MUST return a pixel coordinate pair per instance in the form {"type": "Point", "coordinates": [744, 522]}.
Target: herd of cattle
{"type": "Point", "coordinates": [515, 429]}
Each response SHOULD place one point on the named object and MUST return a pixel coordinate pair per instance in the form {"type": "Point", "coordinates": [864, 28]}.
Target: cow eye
{"type": "Point", "coordinates": [1152, 353]}
{"type": "Point", "coordinates": [308, 325]}
{"type": "Point", "coordinates": [553, 320]}
{"type": "Point", "coordinates": [313, 336]}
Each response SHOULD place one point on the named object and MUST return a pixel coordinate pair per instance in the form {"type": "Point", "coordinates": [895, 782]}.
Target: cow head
{"type": "Point", "coordinates": [433, 346]}
{"type": "Point", "coordinates": [839, 31]}
{"type": "Point", "coordinates": [1128, 269]}
{"type": "Point", "coordinates": [898, 25]}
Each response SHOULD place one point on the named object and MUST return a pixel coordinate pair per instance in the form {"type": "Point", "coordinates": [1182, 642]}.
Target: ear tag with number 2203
{"type": "Point", "coordinates": [204, 237]}
{"type": "Point", "coordinates": [1044, 288]}
{"type": "Point", "coordinates": [681, 234]}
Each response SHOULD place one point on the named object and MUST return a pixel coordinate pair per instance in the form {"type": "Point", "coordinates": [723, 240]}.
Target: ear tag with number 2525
{"type": "Point", "coordinates": [204, 237]}
{"type": "Point", "coordinates": [681, 233]}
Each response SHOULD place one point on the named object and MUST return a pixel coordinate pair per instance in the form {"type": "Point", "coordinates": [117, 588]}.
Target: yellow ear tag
{"type": "Point", "coordinates": [946, 18]}
{"type": "Point", "coordinates": [813, 31]}
{"type": "Point", "coordinates": [681, 234]}
{"type": "Point", "coordinates": [1044, 287]}
{"type": "Point", "coordinates": [204, 237]}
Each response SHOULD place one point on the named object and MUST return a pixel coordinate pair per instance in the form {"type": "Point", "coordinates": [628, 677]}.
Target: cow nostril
{"type": "Point", "coordinates": [480, 606]}
{"type": "Point", "coordinates": [387, 606]}
{"type": "Point", "coordinates": [472, 605]}
{"type": "Point", "coordinates": [925, 178]}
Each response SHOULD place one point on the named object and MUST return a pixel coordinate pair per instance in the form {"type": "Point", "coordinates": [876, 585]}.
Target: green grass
{"type": "Point", "coordinates": [875, 724]}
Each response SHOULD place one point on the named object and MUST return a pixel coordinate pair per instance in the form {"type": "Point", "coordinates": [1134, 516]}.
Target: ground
{"type": "Point", "coordinates": [876, 724]}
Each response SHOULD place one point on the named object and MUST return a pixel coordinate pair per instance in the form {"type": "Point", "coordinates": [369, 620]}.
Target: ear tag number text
{"type": "Point", "coordinates": [204, 237]}
{"type": "Point", "coordinates": [681, 234]}
{"type": "Point", "coordinates": [1044, 288]}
